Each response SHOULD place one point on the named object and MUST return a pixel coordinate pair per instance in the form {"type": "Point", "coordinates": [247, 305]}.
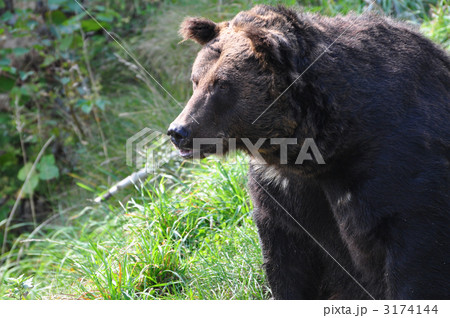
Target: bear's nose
{"type": "Point", "coordinates": [179, 135]}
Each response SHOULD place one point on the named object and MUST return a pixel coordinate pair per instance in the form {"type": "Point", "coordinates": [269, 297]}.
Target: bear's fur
{"type": "Point", "coordinates": [374, 95]}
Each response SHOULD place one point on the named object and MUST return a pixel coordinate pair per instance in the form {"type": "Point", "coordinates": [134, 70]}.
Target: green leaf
{"type": "Point", "coordinates": [31, 24]}
{"type": "Point", "coordinates": [5, 62]}
{"type": "Point", "coordinates": [19, 51]}
{"type": "Point", "coordinates": [65, 42]}
{"type": "Point", "coordinates": [105, 17]}
{"type": "Point", "coordinates": [25, 75]}
{"type": "Point", "coordinates": [31, 184]}
{"type": "Point", "coordinates": [47, 160]}
{"type": "Point", "coordinates": [6, 16]}
{"type": "Point", "coordinates": [80, 102]}
{"type": "Point", "coordinates": [100, 8]}
{"type": "Point", "coordinates": [75, 20]}
{"type": "Point", "coordinates": [64, 80]}
{"type": "Point", "coordinates": [8, 159]}
{"type": "Point", "coordinates": [73, 6]}
{"type": "Point", "coordinates": [22, 175]}
{"type": "Point", "coordinates": [49, 59]}
{"type": "Point", "coordinates": [56, 17]}
{"type": "Point", "coordinates": [9, 69]}
{"type": "Point", "coordinates": [90, 25]}
{"type": "Point", "coordinates": [101, 103]}
{"type": "Point", "coordinates": [48, 172]}
{"type": "Point", "coordinates": [46, 42]}
{"type": "Point", "coordinates": [86, 108]}
{"type": "Point", "coordinates": [47, 168]}
{"type": "Point", "coordinates": [6, 83]}
{"type": "Point", "coordinates": [85, 105]}
{"type": "Point", "coordinates": [81, 185]}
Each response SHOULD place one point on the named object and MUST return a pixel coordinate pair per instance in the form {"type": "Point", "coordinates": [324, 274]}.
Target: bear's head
{"type": "Point", "coordinates": [239, 78]}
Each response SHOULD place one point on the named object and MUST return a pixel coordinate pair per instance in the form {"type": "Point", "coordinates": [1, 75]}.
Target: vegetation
{"type": "Point", "coordinates": [70, 96]}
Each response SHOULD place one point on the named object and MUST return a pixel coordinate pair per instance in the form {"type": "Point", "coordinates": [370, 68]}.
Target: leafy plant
{"type": "Point", "coordinates": [20, 287]}
{"type": "Point", "coordinates": [46, 170]}
{"type": "Point", "coordinates": [48, 86]}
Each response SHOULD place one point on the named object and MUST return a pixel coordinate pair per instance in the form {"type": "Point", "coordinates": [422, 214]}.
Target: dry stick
{"type": "Point", "coordinates": [33, 209]}
{"type": "Point", "coordinates": [16, 204]}
{"type": "Point", "coordinates": [19, 127]}
{"type": "Point", "coordinates": [134, 178]}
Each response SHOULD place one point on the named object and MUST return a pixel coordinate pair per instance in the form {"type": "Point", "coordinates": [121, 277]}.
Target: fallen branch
{"type": "Point", "coordinates": [132, 179]}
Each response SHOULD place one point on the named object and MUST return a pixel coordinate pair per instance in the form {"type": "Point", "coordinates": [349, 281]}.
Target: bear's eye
{"type": "Point", "coordinates": [222, 85]}
{"type": "Point", "coordinates": [194, 83]}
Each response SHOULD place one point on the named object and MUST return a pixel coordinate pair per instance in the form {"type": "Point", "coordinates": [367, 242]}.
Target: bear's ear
{"type": "Point", "coordinates": [199, 29]}
{"type": "Point", "coordinates": [268, 46]}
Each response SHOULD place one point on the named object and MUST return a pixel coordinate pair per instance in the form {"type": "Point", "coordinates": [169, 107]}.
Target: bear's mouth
{"type": "Point", "coordinates": [186, 153]}
{"type": "Point", "coordinates": [189, 153]}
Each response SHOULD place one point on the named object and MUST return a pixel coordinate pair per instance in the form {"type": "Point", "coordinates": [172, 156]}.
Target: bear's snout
{"type": "Point", "coordinates": [179, 135]}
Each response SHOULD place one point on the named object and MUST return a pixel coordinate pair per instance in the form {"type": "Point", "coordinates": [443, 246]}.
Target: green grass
{"type": "Point", "coordinates": [184, 237]}
{"type": "Point", "coordinates": [437, 27]}
{"type": "Point", "coordinates": [188, 232]}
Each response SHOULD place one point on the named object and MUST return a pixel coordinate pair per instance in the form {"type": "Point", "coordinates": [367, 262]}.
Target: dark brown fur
{"type": "Point", "coordinates": [198, 29]}
{"type": "Point", "coordinates": [377, 105]}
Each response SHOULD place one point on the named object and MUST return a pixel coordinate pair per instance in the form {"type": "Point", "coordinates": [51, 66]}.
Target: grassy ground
{"type": "Point", "coordinates": [183, 237]}
{"type": "Point", "coordinates": [187, 233]}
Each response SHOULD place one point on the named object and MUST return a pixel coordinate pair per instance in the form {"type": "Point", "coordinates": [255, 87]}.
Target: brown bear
{"type": "Point", "coordinates": [371, 221]}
